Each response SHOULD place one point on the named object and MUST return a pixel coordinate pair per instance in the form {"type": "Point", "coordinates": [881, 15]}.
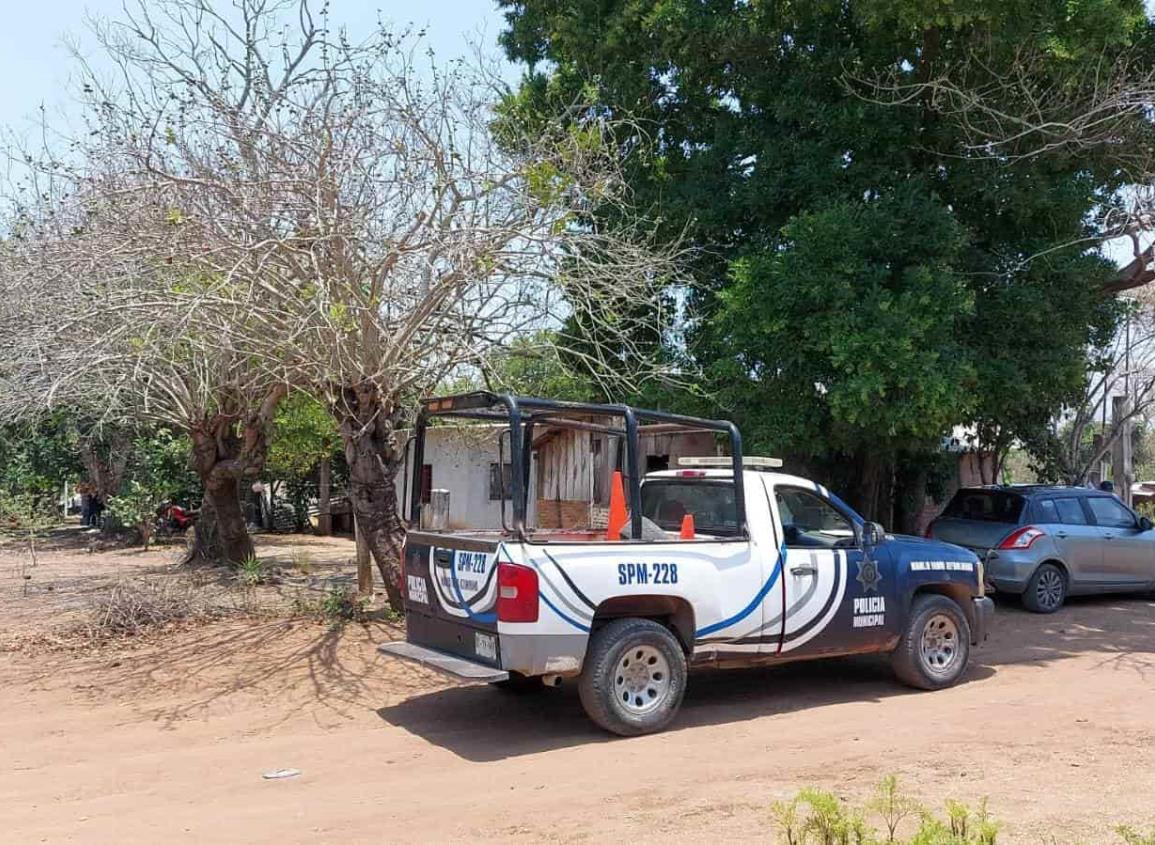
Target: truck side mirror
{"type": "Point", "coordinates": [872, 534]}
{"type": "Point", "coordinates": [1145, 524]}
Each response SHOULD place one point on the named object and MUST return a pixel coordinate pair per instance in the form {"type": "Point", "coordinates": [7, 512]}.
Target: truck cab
{"type": "Point", "coordinates": [724, 561]}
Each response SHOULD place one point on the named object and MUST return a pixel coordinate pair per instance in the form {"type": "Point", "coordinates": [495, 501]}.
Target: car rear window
{"type": "Point", "coordinates": [985, 506]}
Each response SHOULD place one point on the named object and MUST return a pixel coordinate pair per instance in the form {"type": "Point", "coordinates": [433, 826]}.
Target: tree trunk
{"type": "Point", "coordinates": [909, 499]}
{"type": "Point", "coordinates": [221, 532]}
{"type": "Point", "coordinates": [227, 453]}
{"type": "Point", "coordinates": [324, 498]}
{"type": "Point", "coordinates": [369, 423]}
{"type": "Point", "coordinates": [876, 488]}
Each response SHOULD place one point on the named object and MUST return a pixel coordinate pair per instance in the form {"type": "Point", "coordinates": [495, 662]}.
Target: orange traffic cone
{"type": "Point", "coordinates": [687, 532]}
{"type": "Point", "coordinates": [618, 518]}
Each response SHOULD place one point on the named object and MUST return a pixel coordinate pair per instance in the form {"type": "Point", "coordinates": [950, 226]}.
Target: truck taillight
{"type": "Point", "coordinates": [1022, 539]}
{"type": "Point", "coordinates": [517, 593]}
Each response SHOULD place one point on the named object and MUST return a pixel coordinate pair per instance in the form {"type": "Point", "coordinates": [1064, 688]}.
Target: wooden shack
{"type": "Point", "coordinates": [573, 469]}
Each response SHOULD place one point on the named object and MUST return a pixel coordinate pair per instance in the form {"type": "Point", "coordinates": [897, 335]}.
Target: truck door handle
{"type": "Point", "coordinates": [804, 569]}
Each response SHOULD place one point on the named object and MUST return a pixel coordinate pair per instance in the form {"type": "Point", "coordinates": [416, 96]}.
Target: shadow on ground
{"type": "Point", "coordinates": [483, 724]}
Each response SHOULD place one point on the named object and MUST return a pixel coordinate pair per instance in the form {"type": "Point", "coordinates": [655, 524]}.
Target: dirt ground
{"type": "Point", "coordinates": [168, 740]}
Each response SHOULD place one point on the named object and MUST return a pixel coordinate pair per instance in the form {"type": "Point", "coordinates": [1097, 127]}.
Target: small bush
{"type": "Point", "coordinates": [136, 507]}
{"type": "Point", "coordinates": [335, 605]}
{"type": "Point", "coordinates": [816, 817]}
{"type": "Point", "coordinates": [302, 561]}
{"type": "Point", "coordinates": [1133, 837]}
{"type": "Point", "coordinates": [252, 571]}
{"type": "Point", "coordinates": [342, 604]}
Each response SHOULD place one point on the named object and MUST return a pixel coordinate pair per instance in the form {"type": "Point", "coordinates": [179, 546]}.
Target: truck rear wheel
{"type": "Point", "coordinates": [634, 677]}
{"type": "Point", "coordinates": [935, 647]}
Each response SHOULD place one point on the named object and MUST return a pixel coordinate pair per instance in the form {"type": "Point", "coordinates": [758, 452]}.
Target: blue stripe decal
{"type": "Point", "coordinates": [553, 607]}
{"type": "Point", "coordinates": [754, 603]}
{"type": "Point", "coordinates": [476, 617]}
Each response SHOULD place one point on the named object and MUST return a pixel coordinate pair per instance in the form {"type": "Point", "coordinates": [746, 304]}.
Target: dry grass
{"type": "Point", "coordinates": [133, 607]}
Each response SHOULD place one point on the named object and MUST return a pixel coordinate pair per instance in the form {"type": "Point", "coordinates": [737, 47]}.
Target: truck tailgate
{"type": "Point", "coordinates": [451, 596]}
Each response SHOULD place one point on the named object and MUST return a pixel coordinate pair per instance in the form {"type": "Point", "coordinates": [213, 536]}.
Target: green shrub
{"type": "Point", "coordinates": [251, 571]}
{"type": "Point", "coordinates": [816, 817]}
{"type": "Point", "coordinates": [135, 507]}
{"type": "Point", "coordinates": [1133, 837]}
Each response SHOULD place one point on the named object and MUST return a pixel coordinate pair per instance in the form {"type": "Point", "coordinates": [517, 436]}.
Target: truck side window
{"type": "Point", "coordinates": [811, 522]}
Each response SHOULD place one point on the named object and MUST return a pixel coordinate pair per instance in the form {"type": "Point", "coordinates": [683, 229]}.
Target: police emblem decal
{"type": "Point", "coordinates": [868, 575]}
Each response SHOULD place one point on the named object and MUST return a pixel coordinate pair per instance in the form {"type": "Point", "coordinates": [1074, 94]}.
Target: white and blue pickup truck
{"type": "Point", "coordinates": [722, 562]}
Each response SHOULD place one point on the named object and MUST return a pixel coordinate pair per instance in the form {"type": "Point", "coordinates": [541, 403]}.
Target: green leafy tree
{"type": "Point", "coordinates": [862, 282]}
{"type": "Point", "coordinates": [304, 434]}
{"type": "Point", "coordinates": [159, 470]}
{"type": "Point", "coordinates": [37, 459]}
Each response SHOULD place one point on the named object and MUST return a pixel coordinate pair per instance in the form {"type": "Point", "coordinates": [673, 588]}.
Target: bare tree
{"type": "Point", "coordinates": [1086, 432]}
{"type": "Point", "coordinates": [1017, 108]}
{"type": "Point", "coordinates": [281, 208]}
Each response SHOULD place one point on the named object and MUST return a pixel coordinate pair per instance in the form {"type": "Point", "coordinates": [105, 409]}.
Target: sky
{"type": "Point", "coordinates": [36, 67]}
{"type": "Point", "coordinates": [35, 64]}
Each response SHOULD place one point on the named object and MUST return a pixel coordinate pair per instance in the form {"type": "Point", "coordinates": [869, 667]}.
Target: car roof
{"type": "Point", "coordinates": [1034, 490]}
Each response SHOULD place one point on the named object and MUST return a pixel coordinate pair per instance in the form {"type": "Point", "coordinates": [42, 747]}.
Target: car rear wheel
{"type": "Point", "coordinates": [634, 677]}
{"type": "Point", "coordinates": [1047, 589]}
{"type": "Point", "coordinates": [935, 647]}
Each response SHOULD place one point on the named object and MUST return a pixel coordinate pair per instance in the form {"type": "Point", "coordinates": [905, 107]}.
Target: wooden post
{"type": "Point", "coordinates": [1122, 471]}
{"type": "Point", "coordinates": [324, 498]}
{"type": "Point", "coordinates": [364, 563]}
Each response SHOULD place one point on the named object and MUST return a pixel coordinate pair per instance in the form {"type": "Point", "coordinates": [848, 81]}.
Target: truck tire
{"type": "Point", "coordinates": [634, 677]}
{"type": "Point", "coordinates": [935, 647]}
{"type": "Point", "coordinates": [1046, 591]}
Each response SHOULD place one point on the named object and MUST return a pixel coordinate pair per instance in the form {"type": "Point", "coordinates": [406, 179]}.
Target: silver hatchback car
{"type": "Point", "coordinates": [1045, 543]}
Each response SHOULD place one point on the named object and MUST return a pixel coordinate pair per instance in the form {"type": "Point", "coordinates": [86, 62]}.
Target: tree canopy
{"type": "Point", "coordinates": [865, 280]}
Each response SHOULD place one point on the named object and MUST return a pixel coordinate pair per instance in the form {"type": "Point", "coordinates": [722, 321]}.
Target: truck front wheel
{"type": "Point", "coordinates": [935, 647]}
{"type": "Point", "coordinates": [633, 678]}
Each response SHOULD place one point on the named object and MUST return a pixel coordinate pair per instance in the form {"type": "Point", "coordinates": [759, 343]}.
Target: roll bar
{"type": "Point", "coordinates": [524, 413]}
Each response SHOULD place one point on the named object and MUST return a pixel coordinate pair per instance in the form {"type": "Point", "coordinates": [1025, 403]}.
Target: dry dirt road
{"type": "Point", "coordinates": [168, 742]}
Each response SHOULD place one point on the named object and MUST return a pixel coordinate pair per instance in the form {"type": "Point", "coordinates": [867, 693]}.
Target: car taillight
{"type": "Point", "coordinates": [516, 593]}
{"type": "Point", "coordinates": [1022, 538]}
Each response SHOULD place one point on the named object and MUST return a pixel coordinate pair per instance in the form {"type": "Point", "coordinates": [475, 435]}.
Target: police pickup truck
{"type": "Point", "coordinates": [721, 562]}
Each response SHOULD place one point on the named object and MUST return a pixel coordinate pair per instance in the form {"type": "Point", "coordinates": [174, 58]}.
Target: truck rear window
{"type": "Point", "coordinates": [710, 503]}
{"type": "Point", "coordinates": [985, 506]}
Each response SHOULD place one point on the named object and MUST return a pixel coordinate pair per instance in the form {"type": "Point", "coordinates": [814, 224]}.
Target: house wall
{"type": "Point", "coordinates": [460, 460]}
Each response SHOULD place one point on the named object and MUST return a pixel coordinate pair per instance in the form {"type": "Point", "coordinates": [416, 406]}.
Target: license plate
{"type": "Point", "coordinates": [485, 645]}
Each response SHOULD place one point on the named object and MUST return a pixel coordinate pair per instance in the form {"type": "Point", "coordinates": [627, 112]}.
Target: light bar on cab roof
{"type": "Point", "coordinates": [723, 462]}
